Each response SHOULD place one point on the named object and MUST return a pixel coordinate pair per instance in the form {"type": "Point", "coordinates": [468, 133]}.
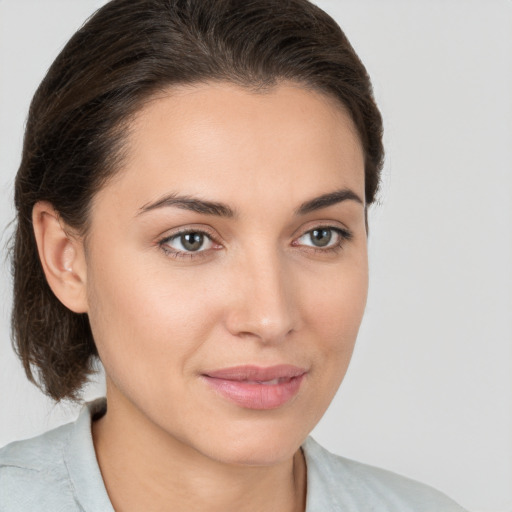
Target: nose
{"type": "Point", "coordinates": [264, 302]}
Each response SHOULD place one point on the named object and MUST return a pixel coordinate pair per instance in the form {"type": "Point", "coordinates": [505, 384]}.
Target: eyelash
{"type": "Point", "coordinates": [343, 237]}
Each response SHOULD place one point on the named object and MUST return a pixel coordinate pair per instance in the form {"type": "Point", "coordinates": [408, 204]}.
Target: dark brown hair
{"type": "Point", "coordinates": [124, 54]}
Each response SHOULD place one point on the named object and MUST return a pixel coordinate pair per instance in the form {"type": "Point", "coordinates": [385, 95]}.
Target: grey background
{"type": "Point", "coordinates": [429, 391]}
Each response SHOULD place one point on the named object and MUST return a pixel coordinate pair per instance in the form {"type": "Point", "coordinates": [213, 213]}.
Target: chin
{"type": "Point", "coordinates": [256, 445]}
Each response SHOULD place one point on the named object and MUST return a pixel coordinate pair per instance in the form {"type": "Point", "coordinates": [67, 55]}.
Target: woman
{"type": "Point", "coordinates": [192, 209]}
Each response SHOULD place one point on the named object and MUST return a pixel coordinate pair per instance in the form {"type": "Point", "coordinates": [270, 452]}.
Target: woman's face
{"type": "Point", "coordinates": [227, 268]}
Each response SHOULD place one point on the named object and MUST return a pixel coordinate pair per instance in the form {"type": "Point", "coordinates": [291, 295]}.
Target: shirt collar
{"type": "Point", "coordinates": [81, 463]}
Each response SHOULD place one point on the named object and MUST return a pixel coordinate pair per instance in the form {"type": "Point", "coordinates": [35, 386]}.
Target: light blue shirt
{"type": "Point", "coordinates": [58, 472]}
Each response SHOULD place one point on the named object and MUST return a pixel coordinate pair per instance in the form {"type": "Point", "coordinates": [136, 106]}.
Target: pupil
{"type": "Point", "coordinates": [321, 237]}
{"type": "Point", "coordinates": [192, 241]}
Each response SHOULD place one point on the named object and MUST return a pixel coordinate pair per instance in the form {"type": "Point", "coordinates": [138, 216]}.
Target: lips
{"type": "Point", "coordinates": [254, 387]}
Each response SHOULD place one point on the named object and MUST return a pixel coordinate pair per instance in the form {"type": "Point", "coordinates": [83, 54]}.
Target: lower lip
{"type": "Point", "coordinates": [256, 396]}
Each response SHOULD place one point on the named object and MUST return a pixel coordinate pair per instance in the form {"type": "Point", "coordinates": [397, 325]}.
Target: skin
{"type": "Point", "coordinates": [259, 293]}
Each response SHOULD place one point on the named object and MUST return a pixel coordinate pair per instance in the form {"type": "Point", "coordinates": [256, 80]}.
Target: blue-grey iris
{"type": "Point", "coordinates": [321, 237]}
{"type": "Point", "coordinates": [192, 241]}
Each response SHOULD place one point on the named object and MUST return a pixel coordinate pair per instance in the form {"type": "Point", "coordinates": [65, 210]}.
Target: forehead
{"type": "Point", "coordinates": [222, 140]}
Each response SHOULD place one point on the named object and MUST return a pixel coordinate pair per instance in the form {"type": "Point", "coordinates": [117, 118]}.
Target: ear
{"type": "Point", "coordinates": [62, 257]}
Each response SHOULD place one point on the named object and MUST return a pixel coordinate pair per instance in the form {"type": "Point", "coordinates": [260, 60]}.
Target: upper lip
{"type": "Point", "coordinates": [257, 373]}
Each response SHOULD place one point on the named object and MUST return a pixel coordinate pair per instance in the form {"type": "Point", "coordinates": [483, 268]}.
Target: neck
{"type": "Point", "coordinates": [146, 468]}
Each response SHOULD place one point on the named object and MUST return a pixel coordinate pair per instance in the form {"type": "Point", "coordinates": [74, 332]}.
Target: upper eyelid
{"type": "Point", "coordinates": [337, 229]}
{"type": "Point", "coordinates": [322, 224]}
{"type": "Point", "coordinates": [169, 234]}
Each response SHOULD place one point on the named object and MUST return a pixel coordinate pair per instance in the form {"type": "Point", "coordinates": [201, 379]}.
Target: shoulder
{"type": "Point", "coordinates": [33, 474]}
{"type": "Point", "coordinates": [335, 483]}
{"type": "Point", "coordinates": [38, 453]}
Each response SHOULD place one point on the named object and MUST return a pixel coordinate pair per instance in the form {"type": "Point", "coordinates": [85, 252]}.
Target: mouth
{"type": "Point", "coordinates": [253, 387]}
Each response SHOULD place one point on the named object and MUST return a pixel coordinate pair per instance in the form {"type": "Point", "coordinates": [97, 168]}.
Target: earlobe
{"type": "Point", "coordinates": [61, 256]}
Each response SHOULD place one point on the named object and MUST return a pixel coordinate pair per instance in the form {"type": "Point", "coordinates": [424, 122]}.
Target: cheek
{"type": "Point", "coordinates": [337, 304]}
{"type": "Point", "coordinates": [145, 319]}
{"type": "Point", "coordinates": [334, 313]}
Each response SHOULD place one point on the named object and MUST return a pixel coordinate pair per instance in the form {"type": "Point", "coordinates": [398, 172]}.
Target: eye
{"type": "Point", "coordinates": [324, 238]}
{"type": "Point", "coordinates": [187, 242]}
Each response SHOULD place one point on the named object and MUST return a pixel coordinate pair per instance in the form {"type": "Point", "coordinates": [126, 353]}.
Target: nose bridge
{"type": "Point", "coordinates": [265, 307]}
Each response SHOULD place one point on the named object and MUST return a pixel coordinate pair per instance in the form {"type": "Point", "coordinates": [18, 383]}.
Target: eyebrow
{"type": "Point", "coordinates": [222, 210]}
{"type": "Point", "coordinates": [190, 203]}
{"type": "Point", "coordinates": [326, 200]}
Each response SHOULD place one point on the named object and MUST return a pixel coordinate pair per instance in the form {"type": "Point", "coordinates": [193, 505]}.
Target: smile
{"type": "Point", "coordinates": [253, 387]}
